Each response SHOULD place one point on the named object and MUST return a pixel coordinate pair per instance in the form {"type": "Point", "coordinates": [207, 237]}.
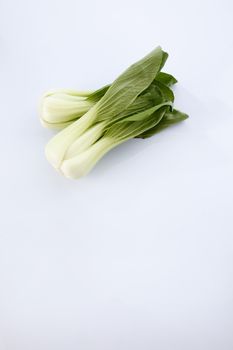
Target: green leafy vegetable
{"type": "Point", "coordinates": [139, 103]}
{"type": "Point", "coordinates": [170, 118]}
{"type": "Point", "coordinates": [118, 97]}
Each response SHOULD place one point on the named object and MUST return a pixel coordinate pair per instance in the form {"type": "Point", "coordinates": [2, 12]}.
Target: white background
{"type": "Point", "coordinates": [139, 254]}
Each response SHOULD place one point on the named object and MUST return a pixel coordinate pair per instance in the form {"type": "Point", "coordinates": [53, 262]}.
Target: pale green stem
{"type": "Point", "coordinates": [56, 109]}
{"type": "Point", "coordinates": [69, 92]}
{"type": "Point", "coordinates": [54, 126]}
{"type": "Point", "coordinates": [85, 140]}
{"type": "Point", "coordinates": [81, 164]}
{"type": "Point", "coordinates": [58, 145]}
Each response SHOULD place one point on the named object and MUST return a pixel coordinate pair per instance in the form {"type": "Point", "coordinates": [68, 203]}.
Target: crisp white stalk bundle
{"type": "Point", "coordinates": [58, 108]}
{"type": "Point", "coordinates": [61, 104]}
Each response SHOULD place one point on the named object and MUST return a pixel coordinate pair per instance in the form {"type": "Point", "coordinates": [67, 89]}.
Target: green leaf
{"type": "Point", "coordinates": [155, 94]}
{"type": "Point", "coordinates": [143, 115]}
{"type": "Point", "coordinates": [169, 118]}
{"type": "Point", "coordinates": [96, 95]}
{"type": "Point", "coordinates": [125, 89]}
{"type": "Point", "coordinates": [166, 79]}
{"type": "Point", "coordinates": [162, 77]}
{"type": "Point", "coordinates": [134, 125]}
{"type": "Point", "coordinates": [165, 95]}
{"type": "Point", "coordinates": [161, 92]}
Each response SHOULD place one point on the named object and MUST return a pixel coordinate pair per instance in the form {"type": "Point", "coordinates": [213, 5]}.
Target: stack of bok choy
{"type": "Point", "coordinates": [139, 103]}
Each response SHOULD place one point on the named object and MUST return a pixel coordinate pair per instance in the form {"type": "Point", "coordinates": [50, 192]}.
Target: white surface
{"type": "Point", "coordinates": [139, 254]}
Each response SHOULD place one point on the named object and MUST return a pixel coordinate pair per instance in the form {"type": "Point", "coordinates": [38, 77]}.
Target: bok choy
{"type": "Point", "coordinates": [138, 104]}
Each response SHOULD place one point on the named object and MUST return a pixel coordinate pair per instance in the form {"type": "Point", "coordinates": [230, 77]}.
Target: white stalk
{"type": "Point", "coordinates": [85, 140]}
{"type": "Point", "coordinates": [59, 107]}
{"type": "Point", "coordinates": [56, 148]}
{"type": "Point", "coordinates": [54, 126]}
{"type": "Point", "coordinates": [69, 92]}
{"type": "Point", "coordinates": [81, 164]}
